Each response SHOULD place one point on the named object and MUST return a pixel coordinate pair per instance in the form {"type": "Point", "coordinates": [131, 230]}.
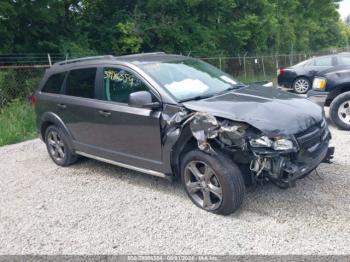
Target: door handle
{"type": "Point", "coordinates": [62, 106]}
{"type": "Point", "coordinates": [104, 113]}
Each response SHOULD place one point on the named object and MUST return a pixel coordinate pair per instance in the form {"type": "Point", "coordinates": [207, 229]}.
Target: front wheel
{"type": "Point", "coordinates": [301, 85]}
{"type": "Point", "coordinates": [213, 183]}
{"type": "Point", "coordinates": [339, 111]}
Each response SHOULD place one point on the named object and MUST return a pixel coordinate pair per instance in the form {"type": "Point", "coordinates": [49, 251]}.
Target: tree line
{"type": "Point", "coordinates": [202, 27]}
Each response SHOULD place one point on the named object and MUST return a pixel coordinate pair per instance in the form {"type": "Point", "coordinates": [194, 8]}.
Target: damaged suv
{"type": "Point", "coordinates": [175, 116]}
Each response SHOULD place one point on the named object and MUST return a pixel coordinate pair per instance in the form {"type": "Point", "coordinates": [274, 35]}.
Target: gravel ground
{"type": "Point", "coordinates": [96, 208]}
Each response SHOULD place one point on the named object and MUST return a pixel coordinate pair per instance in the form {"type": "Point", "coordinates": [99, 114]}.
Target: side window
{"type": "Point", "coordinates": [344, 60]}
{"type": "Point", "coordinates": [323, 61]}
{"type": "Point", "coordinates": [54, 83]}
{"type": "Point", "coordinates": [119, 83]}
{"type": "Point", "coordinates": [81, 82]}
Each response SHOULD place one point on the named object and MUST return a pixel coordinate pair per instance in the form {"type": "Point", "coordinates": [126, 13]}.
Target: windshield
{"type": "Point", "coordinates": [190, 78]}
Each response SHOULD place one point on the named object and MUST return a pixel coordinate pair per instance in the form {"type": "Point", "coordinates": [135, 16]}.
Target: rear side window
{"type": "Point", "coordinates": [54, 83]}
{"type": "Point", "coordinates": [81, 83]}
{"type": "Point", "coordinates": [344, 60]}
{"type": "Point", "coordinates": [323, 61]}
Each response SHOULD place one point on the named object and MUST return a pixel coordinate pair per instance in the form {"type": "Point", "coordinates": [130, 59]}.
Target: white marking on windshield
{"type": "Point", "coordinates": [187, 87]}
{"type": "Point", "coordinates": [228, 80]}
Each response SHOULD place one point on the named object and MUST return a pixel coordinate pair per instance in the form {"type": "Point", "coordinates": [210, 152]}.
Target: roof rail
{"type": "Point", "coordinates": [151, 53]}
{"type": "Point", "coordinates": [77, 60]}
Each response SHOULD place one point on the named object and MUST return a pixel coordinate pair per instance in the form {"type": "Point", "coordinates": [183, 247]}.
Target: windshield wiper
{"type": "Point", "coordinates": [215, 94]}
{"type": "Point", "coordinates": [231, 88]}
{"type": "Point", "coordinates": [196, 98]}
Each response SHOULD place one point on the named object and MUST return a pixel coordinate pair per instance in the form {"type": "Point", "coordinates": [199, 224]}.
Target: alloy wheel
{"type": "Point", "coordinates": [56, 146]}
{"type": "Point", "coordinates": [301, 86]}
{"type": "Point", "coordinates": [344, 112]}
{"type": "Point", "coordinates": [203, 185]}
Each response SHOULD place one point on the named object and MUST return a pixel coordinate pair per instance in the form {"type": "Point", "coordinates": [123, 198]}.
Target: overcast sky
{"type": "Point", "coordinates": [344, 8]}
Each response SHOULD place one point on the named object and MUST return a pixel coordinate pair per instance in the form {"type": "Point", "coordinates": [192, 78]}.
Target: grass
{"type": "Point", "coordinates": [17, 122]}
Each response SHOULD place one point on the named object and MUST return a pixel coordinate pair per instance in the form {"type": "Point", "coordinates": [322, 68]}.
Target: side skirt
{"type": "Point", "coordinates": [139, 169]}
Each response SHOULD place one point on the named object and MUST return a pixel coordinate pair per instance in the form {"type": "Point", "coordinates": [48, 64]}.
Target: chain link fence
{"type": "Point", "coordinates": [18, 82]}
{"type": "Point", "coordinates": [20, 74]}
{"type": "Point", "coordinates": [255, 68]}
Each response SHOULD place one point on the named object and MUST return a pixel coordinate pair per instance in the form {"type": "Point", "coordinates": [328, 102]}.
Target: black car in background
{"type": "Point", "coordinates": [300, 76]}
{"type": "Point", "coordinates": [332, 88]}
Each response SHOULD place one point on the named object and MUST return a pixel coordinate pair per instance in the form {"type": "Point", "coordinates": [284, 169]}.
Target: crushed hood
{"type": "Point", "coordinates": [270, 110]}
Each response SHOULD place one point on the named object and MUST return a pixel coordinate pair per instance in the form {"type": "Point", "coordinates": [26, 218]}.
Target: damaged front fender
{"type": "Point", "coordinates": [204, 128]}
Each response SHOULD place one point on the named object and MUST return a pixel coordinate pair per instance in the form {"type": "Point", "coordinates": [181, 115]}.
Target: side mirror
{"type": "Point", "coordinates": [142, 99]}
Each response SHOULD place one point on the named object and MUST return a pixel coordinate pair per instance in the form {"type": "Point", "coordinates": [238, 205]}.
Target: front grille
{"type": "Point", "coordinates": [311, 138]}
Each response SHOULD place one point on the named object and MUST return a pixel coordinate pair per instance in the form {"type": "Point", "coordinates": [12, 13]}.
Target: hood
{"type": "Point", "coordinates": [270, 110]}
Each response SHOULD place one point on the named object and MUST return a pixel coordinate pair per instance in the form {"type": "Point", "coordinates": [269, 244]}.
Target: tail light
{"type": "Point", "coordinates": [32, 99]}
{"type": "Point", "coordinates": [280, 71]}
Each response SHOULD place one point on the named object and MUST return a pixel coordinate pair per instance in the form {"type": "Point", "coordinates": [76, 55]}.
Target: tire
{"type": "Point", "coordinates": [218, 174]}
{"type": "Point", "coordinates": [339, 111]}
{"type": "Point", "coordinates": [301, 85]}
{"type": "Point", "coordinates": [57, 147]}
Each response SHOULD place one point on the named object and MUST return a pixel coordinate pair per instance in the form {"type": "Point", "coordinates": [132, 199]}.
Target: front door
{"type": "Point", "coordinates": [124, 134]}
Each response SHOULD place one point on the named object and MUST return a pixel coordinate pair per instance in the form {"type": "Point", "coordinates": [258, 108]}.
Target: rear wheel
{"type": "Point", "coordinates": [213, 183]}
{"type": "Point", "coordinates": [301, 85]}
{"type": "Point", "coordinates": [340, 111]}
{"type": "Point", "coordinates": [57, 147]}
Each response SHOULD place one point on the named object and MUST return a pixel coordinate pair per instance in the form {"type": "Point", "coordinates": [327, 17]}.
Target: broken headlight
{"type": "Point", "coordinates": [277, 143]}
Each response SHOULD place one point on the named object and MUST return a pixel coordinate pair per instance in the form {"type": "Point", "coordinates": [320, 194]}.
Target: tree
{"type": "Point", "coordinates": [204, 27]}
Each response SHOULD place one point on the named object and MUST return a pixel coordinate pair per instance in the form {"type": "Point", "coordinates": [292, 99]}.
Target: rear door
{"type": "Point", "coordinates": [49, 96]}
{"type": "Point", "coordinates": [75, 106]}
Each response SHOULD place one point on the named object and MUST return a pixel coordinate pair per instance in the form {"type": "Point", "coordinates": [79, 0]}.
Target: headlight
{"type": "Point", "coordinates": [278, 143]}
{"type": "Point", "coordinates": [319, 83]}
{"type": "Point", "coordinates": [262, 141]}
{"type": "Point", "coordinates": [283, 144]}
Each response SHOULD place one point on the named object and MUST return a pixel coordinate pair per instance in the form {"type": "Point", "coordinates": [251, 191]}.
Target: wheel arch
{"type": "Point", "coordinates": [184, 144]}
{"type": "Point", "coordinates": [340, 89]}
{"type": "Point", "coordinates": [50, 118]}
{"type": "Point", "coordinates": [301, 76]}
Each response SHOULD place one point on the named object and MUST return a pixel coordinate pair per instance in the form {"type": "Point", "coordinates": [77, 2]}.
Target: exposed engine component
{"type": "Point", "coordinates": [259, 164]}
{"type": "Point", "coordinates": [205, 126]}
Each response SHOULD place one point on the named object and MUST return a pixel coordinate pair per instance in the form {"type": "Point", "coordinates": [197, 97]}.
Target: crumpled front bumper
{"type": "Point", "coordinates": [305, 164]}
{"type": "Point", "coordinates": [283, 169]}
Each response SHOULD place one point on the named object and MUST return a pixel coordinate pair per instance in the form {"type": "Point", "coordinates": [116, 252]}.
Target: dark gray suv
{"type": "Point", "coordinates": [175, 116]}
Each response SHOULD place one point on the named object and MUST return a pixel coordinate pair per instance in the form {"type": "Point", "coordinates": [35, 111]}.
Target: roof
{"type": "Point", "coordinates": [137, 59]}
